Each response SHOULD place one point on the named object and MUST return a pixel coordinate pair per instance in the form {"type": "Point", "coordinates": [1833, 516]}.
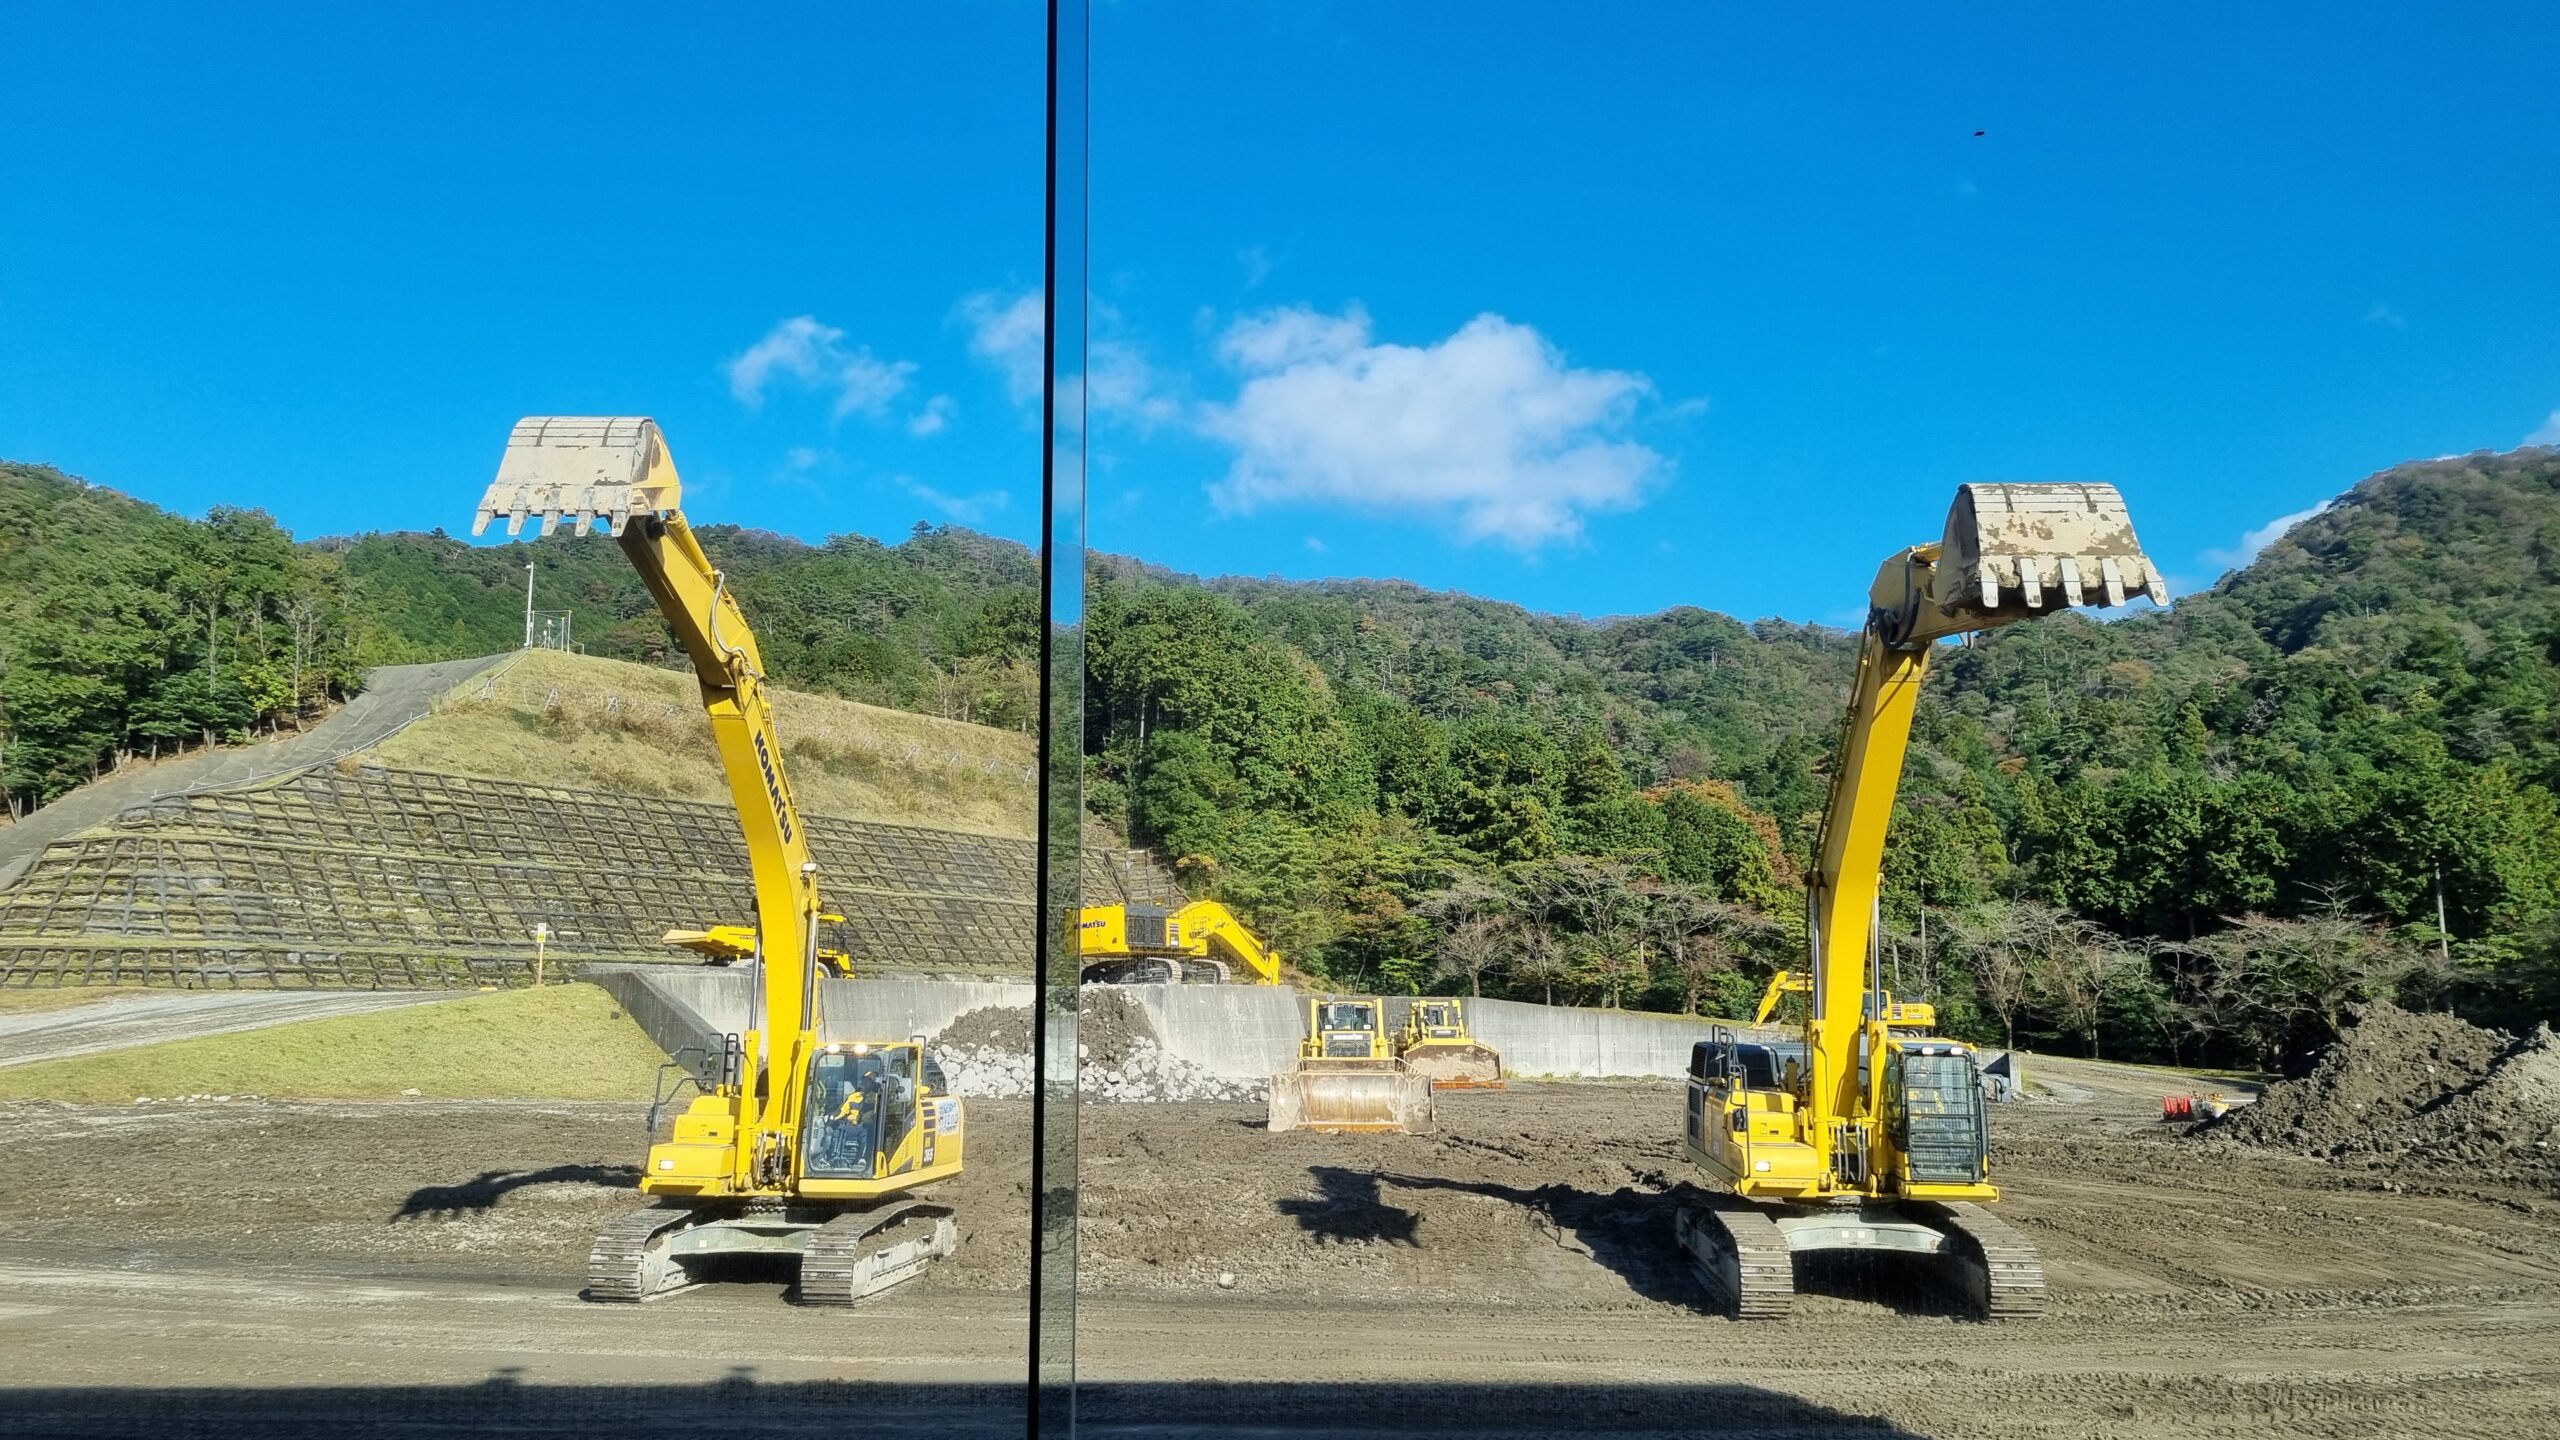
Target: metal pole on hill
{"type": "Point", "coordinates": [528, 604]}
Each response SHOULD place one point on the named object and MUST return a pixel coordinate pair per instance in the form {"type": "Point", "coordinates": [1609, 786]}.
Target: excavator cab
{"type": "Point", "coordinates": [862, 1108]}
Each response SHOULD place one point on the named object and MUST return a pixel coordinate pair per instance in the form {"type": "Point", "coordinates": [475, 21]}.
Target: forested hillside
{"type": "Point", "coordinates": [128, 631]}
{"type": "Point", "coordinates": [2200, 832]}
{"type": "Point", "coordinates": [2196, 831]}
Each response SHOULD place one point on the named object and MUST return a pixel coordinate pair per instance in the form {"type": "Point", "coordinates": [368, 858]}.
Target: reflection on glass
{"type": "Point", "coordinates": [1053, 1160]}
{"type": "Point", "coordinates": [604, 886]}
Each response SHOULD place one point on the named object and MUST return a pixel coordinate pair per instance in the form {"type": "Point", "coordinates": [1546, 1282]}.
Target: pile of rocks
{"type": "Point", "coordinates": [986, 1053]}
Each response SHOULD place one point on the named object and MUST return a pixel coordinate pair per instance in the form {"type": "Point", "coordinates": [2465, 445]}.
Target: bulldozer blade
{"type": "Point", "coordinates": [588, 470]}
{"type": "Point", "coordinates": [1456, 1067]}
{"type": "Point", "coordinates": [2025, 549]}
{"type": "Point", "coordinates": [1396, 1100]}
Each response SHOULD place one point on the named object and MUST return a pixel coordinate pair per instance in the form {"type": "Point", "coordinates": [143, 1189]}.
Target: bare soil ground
{"type": "Point", "coordinates": [308, 1269]}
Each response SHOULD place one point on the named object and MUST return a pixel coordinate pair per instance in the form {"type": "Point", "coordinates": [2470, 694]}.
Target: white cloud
{"type": "Point", "coordinates": [1257, 265]}
{"type": "Point", "coordinates": [1122, 385]}
{"type": "Point", "coordinates": [967, 509]}
{"type": "Point", "coordinates": [1007, 334]}
{"type": "Point", "coordinates": [800, 458]}
{"type": "Point", "coordinates": [2382, 314]}
{"type": "Point", "coordinates": [1317, 545]}
{"type": "Point", "coordinates": [812, 354]}
{"type": "Point", "coordinates": [934, 418]}
{"type": "Point", "coordinates": [2259, 539]}
{"type": "Point", "coordinates": [2549, 434]}
{"type": "Point", "coordinates": [1489, 428]}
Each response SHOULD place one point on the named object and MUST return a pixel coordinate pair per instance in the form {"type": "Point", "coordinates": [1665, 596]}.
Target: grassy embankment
{"type": "Point", "coordinates": [562, 1042]}
{"type": "Point", "coordinates": [591, 723]}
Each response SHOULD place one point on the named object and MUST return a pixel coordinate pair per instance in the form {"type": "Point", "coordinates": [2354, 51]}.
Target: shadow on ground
{"type": "Point", "coordinates": [741, 1405]}
{"type": "Point", "coordinates": [1630, 1233]}
{"type": "Point", "coordinates": [484, 1190]}
{"type": "Point", "coordinates": [1348, 1210]}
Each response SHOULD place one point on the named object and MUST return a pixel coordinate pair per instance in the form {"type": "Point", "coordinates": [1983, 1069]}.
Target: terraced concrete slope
{"type": "Point", "coordinates": [359, 874]}
{"type": "Point", "coordinates": [394, 698]}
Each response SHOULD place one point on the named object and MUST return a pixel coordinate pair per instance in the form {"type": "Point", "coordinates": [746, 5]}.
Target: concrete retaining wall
{"type": "Point", "coordinates": [1244, 1032]}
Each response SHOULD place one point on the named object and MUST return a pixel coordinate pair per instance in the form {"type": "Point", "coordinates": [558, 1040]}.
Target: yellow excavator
{"type": "Point", "coordinates": [1122, 944]}
{"type": "Point", "coordinates": [795, 1146]}
{"type": "Point", "coordinates": [1915, 1015]}
{"type": "Point", "coordinates": [1436, 1044]}
{"type": "Point", "coordinates": [1869, 1133]}
{"type": "Point", "coordinates": [1346, 1079]}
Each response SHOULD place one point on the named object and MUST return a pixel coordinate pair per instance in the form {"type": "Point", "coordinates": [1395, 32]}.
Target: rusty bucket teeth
{"type": "Point", "coordinates": [590, 471]}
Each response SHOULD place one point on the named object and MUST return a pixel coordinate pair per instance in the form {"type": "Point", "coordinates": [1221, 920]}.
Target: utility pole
{"type": "Point", "coordinates": [528, 604]}
{"type": "Point", "coordinates": [2444, 936]}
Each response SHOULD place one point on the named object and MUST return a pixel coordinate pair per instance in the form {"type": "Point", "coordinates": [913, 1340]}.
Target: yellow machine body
{"type": "Point", "coordinates": [1347, 1079]}
{"type": "Point", "coordinates": [1435, 1043]}
{"type": "Point", "coordinates": [1868, 1130]}
{"type": "Point", "coordinates": [1197, 941]}
{"type": "Point", "coordinates": [783, 1120]}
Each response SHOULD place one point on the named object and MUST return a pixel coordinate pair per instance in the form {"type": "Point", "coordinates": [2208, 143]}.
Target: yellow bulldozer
{"type": "Point", "coordinates": [1868, 1132]}
{"type": "Point", "coordinates": [795, 1146]}
{"type": "Point", "coordinates": [1436, 1044]}
{"type": "Point", "coordinates": [1125, 944]}
{"type": "Point", "coordinates": [1347, 1079]}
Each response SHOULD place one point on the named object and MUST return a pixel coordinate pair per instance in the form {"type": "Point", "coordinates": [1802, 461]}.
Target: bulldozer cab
{"type": "Point", "coordinates": [1345, 1030]}
{"type": "Point", "coordinates": [1438, 1020]}
{"type": "Point", "coordinates": [863, 1103]}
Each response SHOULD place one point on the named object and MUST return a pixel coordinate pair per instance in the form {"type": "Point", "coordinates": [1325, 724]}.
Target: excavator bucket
{"type": "Point", "coordinates": [591, 470]}
{"type": "Point", "coordinates": [1460, 1066]}
{"type": "Point", "coordinates": [1382, 1098]}
{"type": "Point", "coordinates": [2021, 550]}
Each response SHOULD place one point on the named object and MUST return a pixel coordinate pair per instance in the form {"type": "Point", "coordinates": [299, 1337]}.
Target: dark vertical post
{"type": "Point", "coordinates": [1053, 1096]}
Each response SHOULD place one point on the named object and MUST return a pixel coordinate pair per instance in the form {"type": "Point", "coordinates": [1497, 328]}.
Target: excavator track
{"type": "Point", "coordinates": [629, 1263]}
{"type": "Point", "coordinates": [1741, 1256]}
{"type": "Point", "coordinates": [863, 1252]}
{"type": "Point", "coordinates": [2006, 1275]}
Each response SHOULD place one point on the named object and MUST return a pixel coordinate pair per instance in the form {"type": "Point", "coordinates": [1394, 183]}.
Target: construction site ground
{"type": "Point", "coordinates": [289, 1269]}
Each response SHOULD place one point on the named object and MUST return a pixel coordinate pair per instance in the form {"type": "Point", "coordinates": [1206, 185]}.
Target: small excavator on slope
{"type": "Point", "coordinates": [795, 1147]}
{"type": "Point", "coordinates": [1870, 1134]}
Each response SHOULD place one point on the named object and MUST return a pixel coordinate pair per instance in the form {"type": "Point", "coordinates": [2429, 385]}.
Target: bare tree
{"type": "Point", "coordinates": [1537, 958]}
{"type": "Point", "coordinates": [1599, 899]}
{"type": "Point", "coordinates": [2076, 971]}
{"type": "Point", "coordinates": [2268, 980]}
{"type": "Point", "coordinates": [1469, 948]}
{"type": "Point", "coordinates": [2003, 946]}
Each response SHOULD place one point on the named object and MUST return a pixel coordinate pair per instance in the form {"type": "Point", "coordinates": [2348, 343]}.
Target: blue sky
{"type": "Point", "coordinates": [319, 260]}
{"type": "Point", "coordinates": [1600, 310]}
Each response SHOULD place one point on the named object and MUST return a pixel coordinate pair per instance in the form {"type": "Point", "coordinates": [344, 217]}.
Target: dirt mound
{"type": "Point", "coordinates": [2389, 1065]}
{"type": "Point", "coordinates": [1111, 1028]}
{"type": "Point", "coordinates": [2512, 1114]}
{"type": "Point", "coordinates": [2399, 1084]}
{"type": "Point", "coordinates": [990, 1027]}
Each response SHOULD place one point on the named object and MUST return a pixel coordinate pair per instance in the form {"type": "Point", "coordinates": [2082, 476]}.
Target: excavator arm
{"type": "Point", "coordinates": [615, 473]}
{"type": "Point", "coordinates": [1217, 925]}
{"type": "Point", "coordinates": [2009, 553]}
